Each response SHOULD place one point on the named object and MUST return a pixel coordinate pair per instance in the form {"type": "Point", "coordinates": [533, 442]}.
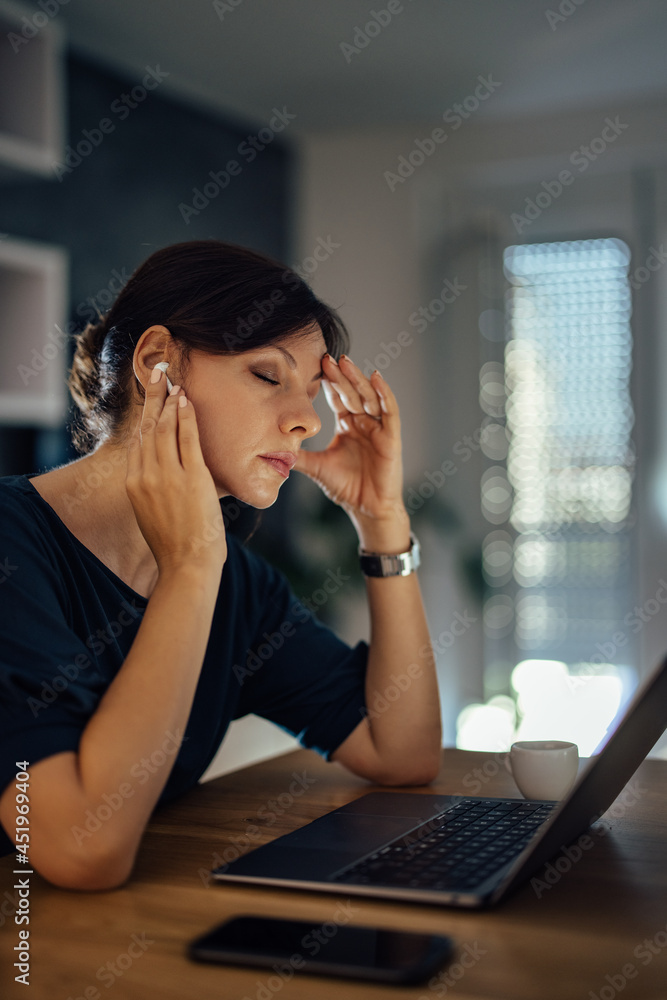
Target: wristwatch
{"type": "Point", "coordinates": [377, 564]}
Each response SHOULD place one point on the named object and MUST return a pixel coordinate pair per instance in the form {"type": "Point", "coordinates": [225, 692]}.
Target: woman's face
{"type": "Point", "coordinates": [253, 412]}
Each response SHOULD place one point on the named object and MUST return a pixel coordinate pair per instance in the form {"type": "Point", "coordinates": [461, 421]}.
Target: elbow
{"type": "Point", "coordinates": [427, 774]}
{"type": "Point", "coordinates": [390, 761]}
{"type": "Point", "coordinates": [85, 878]}
{"type": "Point", "coordinates": [407, 773]}
{"type": "Point", "coordinates": [88, 878]}
{"type": "Point", "coordinates": [95, 869]}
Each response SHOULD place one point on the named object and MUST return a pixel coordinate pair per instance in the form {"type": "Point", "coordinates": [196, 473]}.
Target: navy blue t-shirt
{"type": "Point", "coordinates": [67, 622]}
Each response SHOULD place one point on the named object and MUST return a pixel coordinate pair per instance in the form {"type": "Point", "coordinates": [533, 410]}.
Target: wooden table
{"type": "Point", "coordinates": [601, 928]}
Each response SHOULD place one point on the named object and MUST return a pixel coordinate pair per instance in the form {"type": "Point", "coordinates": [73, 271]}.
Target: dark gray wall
{"type": "Point", "coordinates": [121, 202]}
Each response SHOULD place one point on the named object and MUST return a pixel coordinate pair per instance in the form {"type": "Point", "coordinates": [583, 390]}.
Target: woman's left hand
{"type": "Point", "coordinates": [361, 469]}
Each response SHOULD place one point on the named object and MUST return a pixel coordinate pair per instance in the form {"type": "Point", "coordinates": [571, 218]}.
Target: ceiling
{"type": "Point", "coordinates": [245, 57]}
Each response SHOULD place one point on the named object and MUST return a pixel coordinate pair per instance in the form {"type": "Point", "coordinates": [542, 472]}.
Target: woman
{"type": "Point", "coordinates": [129, 618]}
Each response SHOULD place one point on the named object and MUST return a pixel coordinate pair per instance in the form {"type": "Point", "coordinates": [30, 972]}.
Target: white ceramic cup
{"type": "Point", "coordinates": [543, 769]}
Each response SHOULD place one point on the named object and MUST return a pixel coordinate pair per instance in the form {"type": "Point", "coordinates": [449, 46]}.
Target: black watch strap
{"type": "Point", "coordinates": [378, 564]}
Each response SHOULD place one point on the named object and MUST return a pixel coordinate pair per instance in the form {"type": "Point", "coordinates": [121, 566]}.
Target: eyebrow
{"type": "Point", "coordinates": [289, 358]}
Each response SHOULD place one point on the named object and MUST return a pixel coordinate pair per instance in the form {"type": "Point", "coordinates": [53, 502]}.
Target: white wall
{"type": "Point", "coordinates": [397, 247]}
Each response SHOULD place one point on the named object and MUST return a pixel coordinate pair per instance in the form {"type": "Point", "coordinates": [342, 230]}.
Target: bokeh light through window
{"type": "Point", "coordinates": [557, 493]}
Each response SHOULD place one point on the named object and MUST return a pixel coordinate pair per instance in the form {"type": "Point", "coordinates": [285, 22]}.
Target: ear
{"type": "Point", "coordinates": [154, 345]}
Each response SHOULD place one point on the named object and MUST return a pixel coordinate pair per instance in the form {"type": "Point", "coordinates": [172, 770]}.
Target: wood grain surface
{"type": "Point", "coordinates": [599, 931]}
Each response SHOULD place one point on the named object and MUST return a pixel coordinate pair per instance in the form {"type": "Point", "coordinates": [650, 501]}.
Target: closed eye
{"type": "Point", "coordinates": [265, 378]}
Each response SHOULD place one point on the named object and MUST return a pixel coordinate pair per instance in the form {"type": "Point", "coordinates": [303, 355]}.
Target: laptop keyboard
{"type": "Point", "coordinates": [456, 850]}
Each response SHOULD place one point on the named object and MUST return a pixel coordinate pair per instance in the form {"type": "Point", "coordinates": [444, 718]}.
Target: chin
{"type": "Point", "coordinates": [259, 498]}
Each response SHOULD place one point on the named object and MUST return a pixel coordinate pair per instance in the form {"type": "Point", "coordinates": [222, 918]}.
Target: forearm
{"type": "Point", "coordinates": [145, 708]}
{"type": "Point", "coordinates": [401, 685]}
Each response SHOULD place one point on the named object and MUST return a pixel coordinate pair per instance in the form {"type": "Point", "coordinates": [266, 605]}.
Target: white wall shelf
{"type": "Point", "coordinates": [31, 92]}
{"type": "Point", "coordinates": [33, 342]}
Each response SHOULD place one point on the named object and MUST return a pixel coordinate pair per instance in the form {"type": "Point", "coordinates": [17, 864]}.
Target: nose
{"type": "Point", "coordinates": [302, 418]}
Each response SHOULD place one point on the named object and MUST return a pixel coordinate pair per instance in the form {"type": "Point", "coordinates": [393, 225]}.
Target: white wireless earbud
{"type": "Point", "coordinates": [163, 365]}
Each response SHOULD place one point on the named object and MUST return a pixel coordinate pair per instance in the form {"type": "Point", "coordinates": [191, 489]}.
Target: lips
{"type": "Point", "coordinates": [282, 461]}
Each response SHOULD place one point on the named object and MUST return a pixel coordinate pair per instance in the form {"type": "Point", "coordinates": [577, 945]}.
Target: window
{"type": "Point", "coordinates": [557, 493]}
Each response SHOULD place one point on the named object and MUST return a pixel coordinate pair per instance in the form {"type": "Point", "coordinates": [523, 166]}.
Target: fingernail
{"type": "Point", "coordinates": [183, 401]}
{"type": "Point", "coordinates": [175, 389]}
{"type": "Point", "coordinates": [156, 375]}
{"type": "Point", "coordinates": [332, 359]}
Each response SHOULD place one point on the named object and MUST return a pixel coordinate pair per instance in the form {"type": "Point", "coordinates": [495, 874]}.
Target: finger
{"type": "Point", "coordinates": [391, 420]}
{"type": "Point", "coordinates": [133, 456]}
{"type": "Point", "coordinates": [166, 431]}
{"type": "Point", "coordinates": [188, 434]}
{"type": "Point", "coordinates": [308, 462]}
{"type": "Point", "coordinates": [363, 424]}
{"type": "Point", "coordinates": [342, 385]}
{"type": "Point", "coordinates": [362, 387]}
{"type": "Point", "coordinates": [156, 390]}
{"type": "Point", "coordinates": [333, 399]}
{"type": "Point", "coordinates": [339, 408]}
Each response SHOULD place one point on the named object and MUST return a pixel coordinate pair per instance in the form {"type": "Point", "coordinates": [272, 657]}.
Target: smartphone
{"type": "Point", "coordinates": [329, 949]}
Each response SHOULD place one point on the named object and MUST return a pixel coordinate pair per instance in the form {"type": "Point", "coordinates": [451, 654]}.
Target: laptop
{"type": "Point", "coordinates": [455, 850]}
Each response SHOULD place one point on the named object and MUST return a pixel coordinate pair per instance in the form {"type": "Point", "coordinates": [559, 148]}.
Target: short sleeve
{"type": "Point", "coordinates": [297, 673]}
{"type": "Point", "coordinates": [50, 681]}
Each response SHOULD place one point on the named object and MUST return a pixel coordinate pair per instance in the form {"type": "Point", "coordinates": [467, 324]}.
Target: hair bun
{"type": "Point", "coordinates": [84, 380]}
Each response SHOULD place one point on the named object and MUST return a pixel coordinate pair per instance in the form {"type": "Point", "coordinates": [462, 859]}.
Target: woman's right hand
{"type": "Point", "coordinates": [169, 485]}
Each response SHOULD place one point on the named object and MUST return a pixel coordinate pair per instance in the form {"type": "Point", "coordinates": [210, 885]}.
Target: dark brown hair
{"type": "Point", "coordinates": [212, 296]}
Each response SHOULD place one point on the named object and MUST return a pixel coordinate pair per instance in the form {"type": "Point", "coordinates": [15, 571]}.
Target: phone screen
{"type": "Point", "coordinates": [291, 946]}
